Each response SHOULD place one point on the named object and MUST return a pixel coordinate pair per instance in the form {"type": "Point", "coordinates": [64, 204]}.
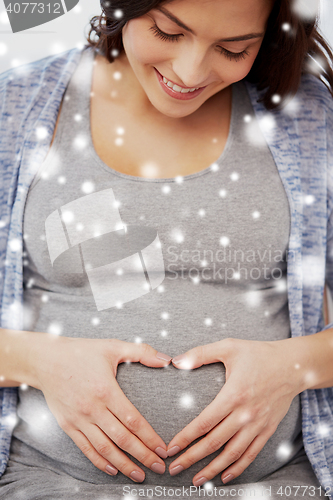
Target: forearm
{"type": "Point", "coordinates": [312, 358]}
{"type": "Point", "coordinates": [18, 358]}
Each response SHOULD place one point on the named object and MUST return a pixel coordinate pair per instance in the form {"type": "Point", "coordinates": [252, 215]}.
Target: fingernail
{"type": "Point", "coordinates": [161, 452]}
{"type": "Point", "coordinates": [111, 470]}
{"type": "Point", "coordinates": [227, 478]}
{"type": "Point", "coordinates": [165, 357]}
{"type": "Point", "coordinates": [179, 359]}
{"type": "Point", "coordinates": [173, 451]}
{"type": "Point", "coordinates": [159, 468]}
{"type": "Point", "coordinates": [176, 470]}
{"type": "Point", "coordinates": [200, 481]}
{"type": "Point", "coordinates": [137, 476]}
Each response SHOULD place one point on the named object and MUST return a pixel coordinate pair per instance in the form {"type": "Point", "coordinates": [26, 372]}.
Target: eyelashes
{"type": "Point", "coordinates": [232, 56]}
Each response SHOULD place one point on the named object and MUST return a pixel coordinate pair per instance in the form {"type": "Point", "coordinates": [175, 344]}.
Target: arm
{"type": "Point", "coordinates": [15, 357]}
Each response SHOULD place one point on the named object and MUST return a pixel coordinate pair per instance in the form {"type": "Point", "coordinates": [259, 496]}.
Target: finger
{"type": "Point", "coordinates": [89, 451]}
{"type": "Point", "coordinates": [140, 353]}
{"type": "Point", "coordinates": [211, 416]}
{"type": "Point", "coordinates": [115, 431]}
{"type": "Point", "coordinates": [247, 457]}
{"type": "Point", "coordinates": [202, 355]}
{"type": "Point", "coordinates": [214, 440]}
{"type": "Point", "coordinates": [120, 406]}
{"type": "Point", "coordinates": [232, 453]}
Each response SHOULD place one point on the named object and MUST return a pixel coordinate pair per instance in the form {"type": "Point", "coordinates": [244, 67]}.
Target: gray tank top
{"type": "Point", "coordinates": [175, 263]}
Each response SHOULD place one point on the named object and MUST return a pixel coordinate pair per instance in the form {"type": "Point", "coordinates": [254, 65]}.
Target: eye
{"type": "Point", "coordinates": [164, 36]}
{"type": "Point", "coordinates": [232, 56]}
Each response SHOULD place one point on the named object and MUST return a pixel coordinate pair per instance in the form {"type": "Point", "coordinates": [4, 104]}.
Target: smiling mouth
{"type": "Point", "coordinates": [178, 88]}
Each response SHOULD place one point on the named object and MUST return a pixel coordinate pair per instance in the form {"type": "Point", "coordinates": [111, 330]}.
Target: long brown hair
{"type": "Point", "coordinates": [292, 46]}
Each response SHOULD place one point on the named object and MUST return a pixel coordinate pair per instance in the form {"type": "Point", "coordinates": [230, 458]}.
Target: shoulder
{"type": "Point", "coordinates": [312, 90]}
{"type": "Point", "coordinates": [20, 85]}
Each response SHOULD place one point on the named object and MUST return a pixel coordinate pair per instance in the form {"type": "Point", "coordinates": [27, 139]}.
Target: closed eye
{"type": "Point", "coordinates": [233, 56]}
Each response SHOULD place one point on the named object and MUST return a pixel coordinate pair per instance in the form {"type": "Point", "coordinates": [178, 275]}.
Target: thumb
{"type": "Point", "coordinates": [144, 354]}
{"type": "Point", "coordinates": [198, 356]}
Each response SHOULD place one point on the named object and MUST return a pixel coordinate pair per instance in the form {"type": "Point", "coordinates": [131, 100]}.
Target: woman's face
{"type": "Point", "coordinates": [202, 44]}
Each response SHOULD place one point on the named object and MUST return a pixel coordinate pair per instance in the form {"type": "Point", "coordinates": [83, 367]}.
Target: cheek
{"type": "Point", "coordinates": [234, 71]}
{"type": "Point", "coordinates": [141, 45]}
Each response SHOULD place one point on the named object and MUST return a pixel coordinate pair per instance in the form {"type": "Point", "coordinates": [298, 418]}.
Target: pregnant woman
{"type": "Point", "coordinates": [166, 234]}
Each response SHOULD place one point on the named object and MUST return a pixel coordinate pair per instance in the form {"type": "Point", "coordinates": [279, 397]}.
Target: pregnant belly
{"type": "Point", "coordinates": [169, 399]}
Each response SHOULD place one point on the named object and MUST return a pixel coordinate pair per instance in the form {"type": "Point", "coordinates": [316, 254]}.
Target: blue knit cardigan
{"type": "Point", "coordinates": [300, 138]}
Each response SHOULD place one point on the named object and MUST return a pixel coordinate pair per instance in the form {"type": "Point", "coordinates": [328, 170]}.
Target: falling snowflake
{"type": "Point", "coordinates": [309, 199]}
{"type": "Point", "coordinates": [247, 118]}
{"type": "Point", "coordinates": [179, 179]}
{"type": "Point", "coordinates": [285, 27]}
{"type": "Point", "coordinates": [253, 298]}
{"type": "Point", "coordinates": [115, 52]}
{"type": "Point", "coordinates": [256, 214]}
{"type": "Point", "coordinates": [166, 189]}
{"type": "Point", "coordinates": [62, 179]}
{"type": "Point", "coordinates": [95, 321]}
{"type": "Point", "coordinates": [88, 187]}
{"type": "Point", "coordinates": [138, 340]}
{"type": "Point", "coordinates": [177, 235]}
{"type": "Point", "coordinates": [67, 216]}
{"type": "Point", "coordinates": [186, 401]}
{"type": "Point", "coordinates": [80, 142]}
{"type": "Point", "coordinates": [149, 169]}
{"type": "Point", "coordinates": [222, 193]}
{"type": "Point", "coordinates": [214, 167]}
{"type": "Point", "coordinates": [323, 430]}
{"type": "Point", "coordinates": [117, 75]}
{"type": "Point", "coordinates": [118, 14]}
{"type": "Point", "coordinates": [208, 486]}
{"type": "Point", "coordinates": [55, 328]}
{"type": "Point", "coordinates": [224, 241]}
{"type": "Point", "coordinates": [164, 333]}
{"type": "Point", "coordinates": [202, 212]}
{"type": "Point", "coordinates": [119, 141]}
{"type": "Point", "coordinates": [284, 451]}
{"type": "Point", "coordinates": [120, 130]}
{"type": "Point", "coordinates": [165, 315]}
{"type": "Point", "coordinates": [160, 289]}
{"type": "Point", "coordinates": [15, 245]}
{"type": "Point", "coordinates": [41, 132]}
{"type": "Point", "coordinates": [208, 321]}
{"type": "Point", "coordinates": [276, 98]}
{"type": "Point", "coordinates": [234, 176]}
{"type": "Point", "coordinates": [77, 117]}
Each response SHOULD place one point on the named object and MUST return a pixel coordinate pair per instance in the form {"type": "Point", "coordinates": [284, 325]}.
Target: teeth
{"type": "Point", "coordinates": [177, 88]}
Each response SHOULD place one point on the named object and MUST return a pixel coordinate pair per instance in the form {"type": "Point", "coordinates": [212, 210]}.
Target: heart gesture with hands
{"type": "Point", "coordinates": [261, 382]}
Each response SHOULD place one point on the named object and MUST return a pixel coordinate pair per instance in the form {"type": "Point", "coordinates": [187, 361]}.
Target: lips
{"type": "Point", "coordinates": [177, 94]}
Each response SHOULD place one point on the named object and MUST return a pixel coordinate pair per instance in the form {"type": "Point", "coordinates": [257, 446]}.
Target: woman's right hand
{"type": "Point", "coordinates": [78, 380]}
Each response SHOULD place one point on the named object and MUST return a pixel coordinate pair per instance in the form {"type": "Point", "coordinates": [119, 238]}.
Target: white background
{"type": "Point", "coordinates": [69, 31]}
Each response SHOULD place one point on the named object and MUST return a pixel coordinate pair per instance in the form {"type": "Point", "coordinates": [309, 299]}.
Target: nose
{"type": "Point", "coordinates": [193, 67]}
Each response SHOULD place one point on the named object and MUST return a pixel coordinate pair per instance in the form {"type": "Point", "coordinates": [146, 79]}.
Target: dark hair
{"type": "Point", "coordinates": [285, 54]}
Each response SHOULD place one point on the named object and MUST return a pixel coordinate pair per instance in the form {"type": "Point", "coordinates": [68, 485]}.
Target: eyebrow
{"type": "Point", "coordinates": [173, 18]}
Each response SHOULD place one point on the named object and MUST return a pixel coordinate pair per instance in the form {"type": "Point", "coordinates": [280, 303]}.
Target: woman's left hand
{"type": "Point", "coordinates": [262, 379]}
